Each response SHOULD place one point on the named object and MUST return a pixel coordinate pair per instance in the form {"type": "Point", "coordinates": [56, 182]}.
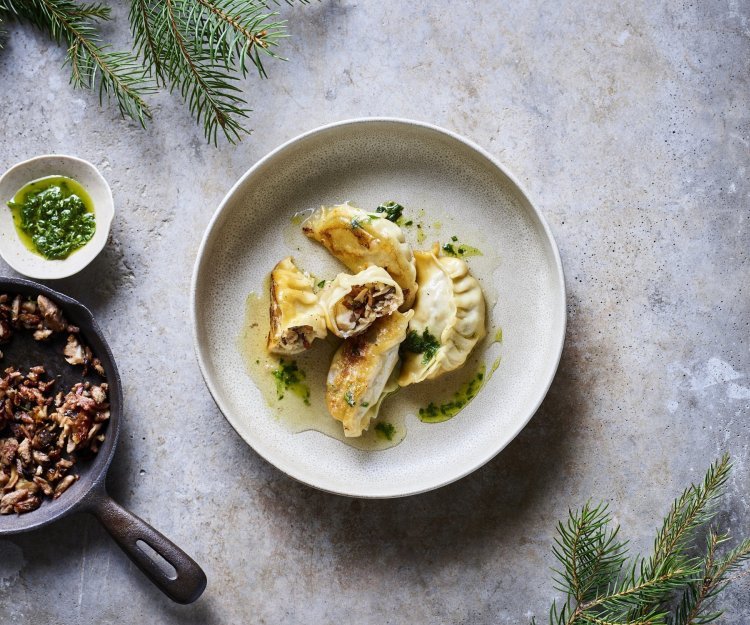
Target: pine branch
{"type": "Point", "coordinates": [201, 47]}
{"type": "Point", "coordinates": [695, 607]}
{"type": "Point", "coordinates": [93, 64]}
{"type": "Point", "coordinates": [635, 592]}
{"type": "Point", "coordinates": [240, 30]}
{"type": "Point", "coordinates": [599, 590]}
{"type": "Point", "coordinates": [590, 619]}
{"type": "Point", "coordinates": [210, 90]}
{"type": "Point", "coordinates": [146, 43]}
{"type": "Point", "coordinates": [733, 560]}
{"type": "Point", "coordinates": [589, 552]}
{"type": "Point", "coordinates": [693, 509]}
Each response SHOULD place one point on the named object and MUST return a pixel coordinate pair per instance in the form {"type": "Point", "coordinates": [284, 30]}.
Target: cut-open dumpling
{"type": "Point", "coordinates": [360, 239]}
{"type": "Point", "coordinates": [449, 318]}
{"type": "Point", "coordinates": [360, 371]}
{"type": "Point", "coordinates": [353, 303]}
{"type": "Point", "coordinates": [297, 317]}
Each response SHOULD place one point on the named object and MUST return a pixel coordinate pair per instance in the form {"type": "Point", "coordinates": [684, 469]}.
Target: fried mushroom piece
{"type": "Point", "coordinates": [43, 435]}
{"type": "Point", "coordinates": [52, 314]}
{"type": "Point", "coordinates": [75, 352]}
{"type": "Point", "coordinates": [44, 431]}
{"type": "Point", "coordinates": [41, 315]}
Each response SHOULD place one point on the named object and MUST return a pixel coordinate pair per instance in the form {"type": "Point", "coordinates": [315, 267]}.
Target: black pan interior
{"type": "Point", "coordinates": [23, 352]}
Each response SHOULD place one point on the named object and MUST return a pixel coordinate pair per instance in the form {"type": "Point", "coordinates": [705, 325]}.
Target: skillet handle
{"type": "Point", "coordinates": [183, 585]}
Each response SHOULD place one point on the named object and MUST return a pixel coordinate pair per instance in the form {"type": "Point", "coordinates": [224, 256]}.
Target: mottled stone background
{"type": "Point", "coordinates": [629, 124]}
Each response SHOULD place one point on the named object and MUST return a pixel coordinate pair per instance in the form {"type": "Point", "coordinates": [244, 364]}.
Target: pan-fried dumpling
{"type": "Point", "coordinates": [297, 317]}
{"type": "Point", "coordinates": [353, 303]}
{"type": "Point", "coordinates": [449, 317]}
{"type": "Point", "coordinates": [360, 370]}
{"type": "Point", "coordinates": [360, 239]}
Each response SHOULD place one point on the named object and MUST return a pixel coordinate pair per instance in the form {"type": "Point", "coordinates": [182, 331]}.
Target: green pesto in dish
{"type": "Point", "coordinates": [392, 210]}
{"type": "Point", "coordinates": [385, 430]}
{"type": "Point", "coordinates": [53, 216]}
{"type": "Point", "coordinates": [290, 378]}
{"type": "Point", "coordinates": [425, 344]}
{"type": "Point", "coordinates": [459, 250]}
{"type": "Point", "coordinates": [434, 413]}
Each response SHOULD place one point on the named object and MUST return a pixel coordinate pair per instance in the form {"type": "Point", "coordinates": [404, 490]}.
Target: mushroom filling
{"type": "Point", "coordinates": [295, 337]}
{"type": "Point", "coordinates": [363, 305]}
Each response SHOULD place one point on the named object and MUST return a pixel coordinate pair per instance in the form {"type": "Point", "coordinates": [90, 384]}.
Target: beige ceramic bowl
{"type": "Point", "coordinates": [462, 189]}
{"type": "Point", "coordinates": [15, 253]}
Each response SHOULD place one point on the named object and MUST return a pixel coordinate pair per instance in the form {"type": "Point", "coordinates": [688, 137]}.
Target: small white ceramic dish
{"type": "Point", "coordinates": [462, 190]}
{"type": "Point", "coordinates": [15, 253]}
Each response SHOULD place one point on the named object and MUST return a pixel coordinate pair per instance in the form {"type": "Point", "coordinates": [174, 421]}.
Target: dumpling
{"type": "Point", "coordinates": [360, 371]}
{"type": "Point", "coordinates": [297, 317]}
{"type": "Point", "coordinates": [449, 318]}
{"type": "Point", "coordinates": [353, 303]}
{"type": "Point", "coordinates": [360, 239]}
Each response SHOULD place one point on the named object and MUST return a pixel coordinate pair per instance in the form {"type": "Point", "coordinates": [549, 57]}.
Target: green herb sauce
{"type": "Point", "coordinates": [435, 413]}
{"type": "Point", "coordinates": [349, 398]}
{"type": "Point", "coordinates": [358, 221]}
{"type": "Point", "coordinates": [460, 250]}
{"type": "Point", "coordinates": [289, 378]}
{"type": "Point", "coordinates": [392, 210]}
{"type": "Point", "coordinates": [54, 216]}
{"type": "Point", "coordinates": [426, 344]}
{"type": "Point", "coordinates": [385, 430]}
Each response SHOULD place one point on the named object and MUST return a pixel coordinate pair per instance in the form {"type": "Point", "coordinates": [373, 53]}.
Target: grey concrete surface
{"type": "Point", "coordinates": [629, 124]}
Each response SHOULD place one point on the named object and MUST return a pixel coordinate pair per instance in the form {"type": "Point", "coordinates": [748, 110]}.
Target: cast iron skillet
{"type": "Point", "coordinates": [89, 493]}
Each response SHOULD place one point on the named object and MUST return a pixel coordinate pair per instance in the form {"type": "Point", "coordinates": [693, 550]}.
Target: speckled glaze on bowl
{"type": "Point", "coordinates": [15, 253]}
{"type": "Point", "coordinates": [369, 161]}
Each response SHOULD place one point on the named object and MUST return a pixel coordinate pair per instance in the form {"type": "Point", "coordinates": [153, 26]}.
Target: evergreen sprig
{"type": "Point", "coordinates": [672, 586]}
{"type": "Point", "coordinates": [698, 598]}
{"type": "Point", "coordinates": [200, 48]}
{"type": "Point", "coordinates": [93, 64]}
